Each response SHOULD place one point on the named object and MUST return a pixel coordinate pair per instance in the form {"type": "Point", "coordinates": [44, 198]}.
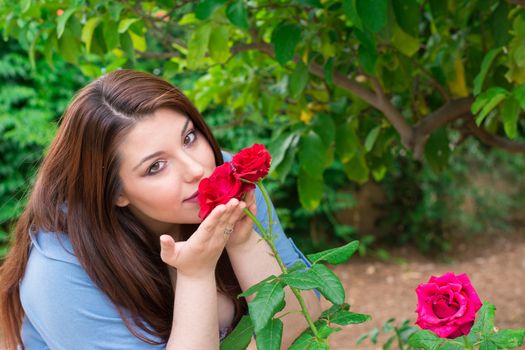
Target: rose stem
{"type": "Point", "coordinates": [295, 291]}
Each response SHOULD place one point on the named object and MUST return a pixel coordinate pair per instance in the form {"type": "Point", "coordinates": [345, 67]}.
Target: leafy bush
{"type": "Point", "coordinates": [30, 105]}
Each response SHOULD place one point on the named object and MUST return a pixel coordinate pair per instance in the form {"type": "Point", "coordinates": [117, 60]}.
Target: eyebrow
{"type": "Point", "coordinates": [158, 153]}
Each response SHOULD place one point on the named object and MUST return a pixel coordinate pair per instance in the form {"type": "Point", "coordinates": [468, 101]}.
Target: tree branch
{"type": "Point", "coordinates": [493, 140]}
{"type": "Point", "coordinates": [413, 137]}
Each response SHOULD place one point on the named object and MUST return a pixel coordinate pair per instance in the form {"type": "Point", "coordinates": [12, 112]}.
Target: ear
{"type": "Point", "coordinates": [122, 201]}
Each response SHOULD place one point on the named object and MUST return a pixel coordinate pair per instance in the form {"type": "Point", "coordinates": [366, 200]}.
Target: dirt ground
{"type": "Point", "coordinates": [495, 263]}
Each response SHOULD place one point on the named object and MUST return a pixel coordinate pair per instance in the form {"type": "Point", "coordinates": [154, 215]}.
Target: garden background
{"type": "Point", "coordinates": [398, 123]}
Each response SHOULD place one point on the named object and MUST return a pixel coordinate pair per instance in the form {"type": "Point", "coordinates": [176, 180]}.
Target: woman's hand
{"type": "Point", "coordinates": [198, 255]}
{"type": "Point", "coordinates": [244, 227]}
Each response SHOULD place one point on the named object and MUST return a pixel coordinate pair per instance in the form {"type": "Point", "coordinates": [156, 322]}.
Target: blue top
{"type": "Point", "coordinates": [64, 309]}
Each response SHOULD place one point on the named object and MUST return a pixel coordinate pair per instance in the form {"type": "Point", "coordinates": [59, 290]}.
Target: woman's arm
{"type": "Point", "coordinates": [195, 319]}
{"type": "Point", "coordinates": [253, 262]}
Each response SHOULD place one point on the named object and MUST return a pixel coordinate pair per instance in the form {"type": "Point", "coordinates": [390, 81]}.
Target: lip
{"type": "Point", "coordinates": [193, 197]}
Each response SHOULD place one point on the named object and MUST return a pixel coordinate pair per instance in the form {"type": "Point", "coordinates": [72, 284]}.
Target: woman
{"type": "Point", "coordinates": [110, 252]}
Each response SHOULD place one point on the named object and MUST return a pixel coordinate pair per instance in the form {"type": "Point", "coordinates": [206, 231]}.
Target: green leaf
{"type": "Point", "coordinates": [367, 59]}
{"type": "Point", "coordinates": [297, 266]}
{"type": "Point", "coordinates": [301, 280]}
{"type": "Point", "coordinates": [62, 20]}
{"type": "Point", "coordinates": [123, 25]}
{"type": "Point", "coordinates": [508, 338]}
{"type": "Point", "coordinates": [438, 8]}
{"type": "Point", "coordinates": [510, 111]}
{"type": "Point", "coordinates": [111, 34]}
{"type": "Point", "coordinates": [356, 168]}
{"type": "Point", "coordinates": [139, 41]}
{"type": "Point", "coordinates": [256, 287]}
{"type": "Point", "coordinates": [407, 16]}
{"type": "Point", "coordinates": [519, 93]}
{"type": "Point", "coordinates": [330, 285]}
{"type": "Point", "coordinates": [324, 126]}
{"type": "Point", "coordinates": [487, 101]}
{"type": "Point", "coordinates": [268, 301]}
{"type": "Point", "coordinates": [279, 147]}
{"type": "Point", "coordinates": [310, 190]}
{"type": "Point", "coordinates": [344, 318]}
{"type": "Point", "coordinates": [32, 49]}
{"type": "Point", "coordinates": [487, 345]}
{"type": "Point", "coordinates": [405, 43]}
{"type": "Point", "coordinates": [127, 45]}
{"type": "Point", "coordinates": [346, 142]}
{"type": "Point", "coordinates": [484, 321]}
{"type": "Point", "coordinates": [69, 47]}
{"type": "Point", "coordinates": [373, 13]}
{"type": "Point", "coordinates": [218, 44]}
{"type": "Point", "coordinates": [237, 14]}
{"type": "Point", "coordinates": [87, 31]}
{"type": "Point", "coordinates": [240, 337]}
{"type": "Point", "coordinates": [452, 345]}
{"type": "Point", "coordinates": [298, 79]}
{"type": "Point", "coordinates": [285, 38]}
{"type": "Point", "coordinates": [318, 345]}
{"type": "Point", "coordinates": [312, 152]}
{"type": "Point", "coordinates": [335, 256]}
{"type": "Point", "coordinates": [350, 11]}
{"type": "Point", "coordinates": [426, 340]}
{"type": "Point", "coordinates": [303, 342]}
{"type": "Point", "coordinates": [333, 310]}
{"type": "Point", "coordinates": [206, 7]}
{"type": "Point", "coordinates": [325, 331]}
{"type": "Point", "coordinates": [270, 337]}
{"type": "Point", "coordinates": [198, 44]}
{"type": "Point", "coordinates": [371, 138]}
{"type": "Point", "coordinates": [485, 65]}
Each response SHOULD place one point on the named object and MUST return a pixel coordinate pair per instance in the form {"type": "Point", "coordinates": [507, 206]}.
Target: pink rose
{"type": "Point", "coordinates": [252, 163]}
{"type": "Point", "coordinates": [447, 305]}
{"type": "Point", "coordinates": [219, 188]}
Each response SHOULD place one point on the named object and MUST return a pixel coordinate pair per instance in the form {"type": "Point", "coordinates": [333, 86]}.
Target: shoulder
{"type": "Point", "coordinates": [58, 297]}
{"type": "Point", "coordinates": [53, 245]}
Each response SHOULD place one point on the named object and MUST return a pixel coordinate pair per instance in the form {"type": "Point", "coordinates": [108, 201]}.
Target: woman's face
{"type": "Point", "coordinates": [163, 159]}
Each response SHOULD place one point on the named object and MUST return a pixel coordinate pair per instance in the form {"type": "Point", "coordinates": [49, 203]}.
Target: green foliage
{"type": "Point", "coordinates": [30, 104]}
{"type": "Point", "coordinates": [338, 89]}
{"type": "Point", "coordinates": [240, 337]}
{"type": "Point", "coordinates": [397, 334]}
{"type": "Point", "coordinates": [269, 299]}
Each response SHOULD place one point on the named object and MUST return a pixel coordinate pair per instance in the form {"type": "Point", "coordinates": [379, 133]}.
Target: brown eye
{"type": "Point", "coordinates": [156, 167]}
{"type": "Point", "coordinates": [190, 137]}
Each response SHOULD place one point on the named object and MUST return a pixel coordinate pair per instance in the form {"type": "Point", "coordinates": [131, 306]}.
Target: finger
{"type": "Point", "coordinates": [167, 249]}
{"type": "Point", "coordinates": [231, 209]}
{"type": "Point", "coordinates": [251, 202]}
{"type": "Point", "coordinates": [210, 223]}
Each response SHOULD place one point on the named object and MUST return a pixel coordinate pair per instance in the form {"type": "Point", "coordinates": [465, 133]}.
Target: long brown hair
{"type": "Point", "coordinates": [80, 171]}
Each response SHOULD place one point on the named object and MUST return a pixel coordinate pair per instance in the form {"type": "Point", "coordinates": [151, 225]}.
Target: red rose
{"type": "Point", "coordinates": [447, 305]}
{"type": "Point", "coordinates": [252, 163]}
{"type": "Point", "coordinates": [219, 188]}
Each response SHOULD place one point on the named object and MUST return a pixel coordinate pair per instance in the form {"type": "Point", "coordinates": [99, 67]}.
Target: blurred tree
{"type": "Point", "coordinates": [423, 66]}
{"type": "Point", "coordinates": [30, 104]}
{"type": "Point", "coordinates": [345, 85]}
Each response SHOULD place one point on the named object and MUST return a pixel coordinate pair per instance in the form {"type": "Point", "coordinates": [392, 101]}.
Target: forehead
{"type": "Point", "coordinates": [153, 133]}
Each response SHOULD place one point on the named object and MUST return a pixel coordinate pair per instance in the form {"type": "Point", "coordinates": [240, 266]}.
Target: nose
{"type": "Point", "coordinates": [192, 169]}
